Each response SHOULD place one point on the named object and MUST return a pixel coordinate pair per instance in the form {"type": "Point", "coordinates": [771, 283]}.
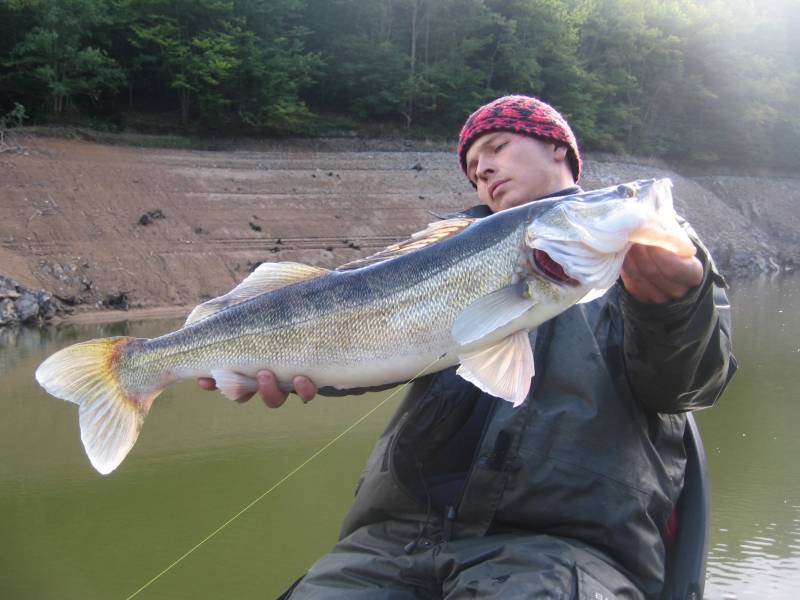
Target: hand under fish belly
{"type": "Point", "coordinates": [463, 291]}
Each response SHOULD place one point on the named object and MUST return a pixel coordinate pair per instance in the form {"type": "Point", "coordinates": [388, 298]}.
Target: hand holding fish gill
{"type": "Point", "coordinates": [655, 275]}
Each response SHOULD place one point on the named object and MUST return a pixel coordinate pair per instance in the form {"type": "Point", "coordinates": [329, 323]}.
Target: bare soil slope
{"type": "Point", "coordinates": [71, 214]}
{"type": "Point", "coordinates": [100, 225]}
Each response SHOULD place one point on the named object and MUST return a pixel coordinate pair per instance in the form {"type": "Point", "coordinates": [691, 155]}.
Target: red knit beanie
{"type": "Point", "coordinates": [520, 114]}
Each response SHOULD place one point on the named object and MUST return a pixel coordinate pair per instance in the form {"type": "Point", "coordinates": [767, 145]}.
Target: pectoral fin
{"type": "Point", "coordinates": [490, 313]}
{"type": "Point", "coordinates": [267, 277]}
{"type": "Point", "coordinates": [503, 370]}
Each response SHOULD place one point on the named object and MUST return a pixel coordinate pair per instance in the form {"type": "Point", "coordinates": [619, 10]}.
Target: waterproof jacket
{"type": "Point", "coordinates": [594, 455]}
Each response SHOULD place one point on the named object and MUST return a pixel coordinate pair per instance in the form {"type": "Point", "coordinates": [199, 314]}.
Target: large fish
{"type": "Point", "coordinates": [463, 291]}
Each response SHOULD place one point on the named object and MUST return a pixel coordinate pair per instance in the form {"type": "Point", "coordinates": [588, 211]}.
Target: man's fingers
{"type": "Point", "coordinates": [643, 290]}
{"type": "Point", "coordinates": [304, 388]}
{"type": "Point", "coordinates": [268, 388]}
{"type": "Point", "coordinates": [655, 275]}
{"type": "Point", "coordinates": [271, 394]}
{"type": "Point", "coordinates": [207, 383]}
{"type": "Point", "coordinates": [637, 276]}
{"type": "Point", "coordinates": [684, 271]}
{"type": "Point", "coordinates": [245, 398]}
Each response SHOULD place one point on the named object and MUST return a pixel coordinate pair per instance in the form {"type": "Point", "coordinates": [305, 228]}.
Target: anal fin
{"type": "Point", "coordinates": [234, 385]}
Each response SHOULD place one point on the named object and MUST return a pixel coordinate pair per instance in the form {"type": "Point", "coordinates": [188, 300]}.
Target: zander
{"type": "Point", "coordinates": [463, 291]}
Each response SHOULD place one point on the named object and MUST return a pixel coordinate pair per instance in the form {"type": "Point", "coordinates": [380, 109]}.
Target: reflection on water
{"type": "Point", "coordinates": [70, 533]}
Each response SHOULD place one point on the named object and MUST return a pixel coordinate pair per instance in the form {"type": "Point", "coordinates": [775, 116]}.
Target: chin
{"type": "Point", "coordinates": [506, 203]}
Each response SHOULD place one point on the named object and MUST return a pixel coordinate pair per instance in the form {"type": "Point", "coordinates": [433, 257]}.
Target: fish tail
{"type": "Point", "coordinates": [110, 415]}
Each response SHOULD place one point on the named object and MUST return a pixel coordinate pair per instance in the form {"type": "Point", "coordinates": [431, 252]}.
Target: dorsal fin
{"type": "Point", "coordinates": [433, 233]}
{"type": "Point", "coordinates": [267, 277]}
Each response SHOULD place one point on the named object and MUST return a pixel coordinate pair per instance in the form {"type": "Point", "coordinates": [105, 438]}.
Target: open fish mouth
{"type": "Point", "coordinates": [550, 269]}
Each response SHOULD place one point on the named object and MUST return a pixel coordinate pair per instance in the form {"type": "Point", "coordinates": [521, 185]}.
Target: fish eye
{"type": "Point", "coordinates": [626, 190]}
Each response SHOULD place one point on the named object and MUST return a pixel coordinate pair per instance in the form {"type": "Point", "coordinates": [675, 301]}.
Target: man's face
{"type": "Point", "coordinates": [511, 169]}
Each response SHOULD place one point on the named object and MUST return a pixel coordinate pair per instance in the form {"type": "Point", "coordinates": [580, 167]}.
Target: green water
{"type": "Point", "coordinates": [753, 450]}
{"type": "Point", "coordinates": [69, 533]}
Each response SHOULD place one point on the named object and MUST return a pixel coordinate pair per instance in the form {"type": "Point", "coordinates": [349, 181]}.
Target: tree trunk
{"type": "Point", "coordinates": [184, 106]}
{"type": "Point", "coordinates": [412, 64]}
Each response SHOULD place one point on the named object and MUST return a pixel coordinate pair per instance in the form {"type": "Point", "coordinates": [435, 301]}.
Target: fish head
{"type": "Point", "coordinates": [581, 241]}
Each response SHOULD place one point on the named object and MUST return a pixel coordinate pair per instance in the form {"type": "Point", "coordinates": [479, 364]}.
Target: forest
{"type": "Point", "coordinates": [709, 81]}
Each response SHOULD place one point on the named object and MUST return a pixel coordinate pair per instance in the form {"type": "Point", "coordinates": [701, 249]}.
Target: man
{"type": "Point", "coordinates": [568, 495]}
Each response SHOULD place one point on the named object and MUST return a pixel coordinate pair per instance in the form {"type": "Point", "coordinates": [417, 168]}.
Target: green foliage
{"type": "Point", "coordinates": [57, 57]}
{"type": "Point", "coordinates": [227, 62]}
{"type": "Point", "coordinates": [13, 118]}
{"type": "Point", "coordinates": [700, 80]}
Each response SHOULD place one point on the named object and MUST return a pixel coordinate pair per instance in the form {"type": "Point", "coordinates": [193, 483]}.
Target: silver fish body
{"type": "Point", "coordinates": [379, 324]}
{"type": "Point", "coordinates": [469, 298]}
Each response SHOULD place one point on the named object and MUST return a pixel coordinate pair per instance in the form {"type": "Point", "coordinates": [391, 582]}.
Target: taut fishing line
{"type": "Point", "coordinates": [282, 480]}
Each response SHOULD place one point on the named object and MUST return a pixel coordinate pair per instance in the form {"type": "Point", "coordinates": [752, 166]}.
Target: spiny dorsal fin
{"type": "Point", "coordinates": [267, 277]}
{"type": "Point", "coordinates": [435, 232]}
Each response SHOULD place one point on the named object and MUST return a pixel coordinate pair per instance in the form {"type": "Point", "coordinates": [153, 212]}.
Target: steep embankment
{"type": "Point", "coordinates": [113, 226]}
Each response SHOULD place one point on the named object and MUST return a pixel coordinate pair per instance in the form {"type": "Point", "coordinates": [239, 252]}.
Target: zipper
{"type": "Point", "coordinates": [449, 520]}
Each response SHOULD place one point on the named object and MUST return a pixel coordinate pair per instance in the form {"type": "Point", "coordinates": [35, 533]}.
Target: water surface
{"type": "Point", "coordinates": [69, 533]}
{"type": "Point", "coordinates": [752, 443]}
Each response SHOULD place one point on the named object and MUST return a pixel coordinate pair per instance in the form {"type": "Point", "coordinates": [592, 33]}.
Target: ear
{"type": "Point", "coordinates": [560, 153]}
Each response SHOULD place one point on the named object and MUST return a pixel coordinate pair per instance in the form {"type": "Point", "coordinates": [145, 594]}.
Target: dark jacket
{"type": "Point", "coordinates": [594, 455]}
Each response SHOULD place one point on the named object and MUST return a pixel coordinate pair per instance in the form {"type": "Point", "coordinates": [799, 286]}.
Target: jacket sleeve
{"type": "Point", "coordinates": [678, 356]}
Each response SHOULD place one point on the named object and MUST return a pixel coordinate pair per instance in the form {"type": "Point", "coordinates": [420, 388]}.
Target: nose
{"type": "Point", "coordinates": [485, 166]}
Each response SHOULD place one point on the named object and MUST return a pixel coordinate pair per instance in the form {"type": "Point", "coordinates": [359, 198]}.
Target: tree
{"type": "Point", "coordinates": [228, 61]}
{"type": "Point", "coordinates": [60, 58]}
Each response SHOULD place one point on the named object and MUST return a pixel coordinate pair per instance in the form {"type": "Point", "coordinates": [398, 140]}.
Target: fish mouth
{"type": "Point", "coordinates": [550, 269]}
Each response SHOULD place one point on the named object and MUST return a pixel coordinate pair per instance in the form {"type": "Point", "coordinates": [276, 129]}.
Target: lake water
{"type": "Point", "coordinates": [69, 533]}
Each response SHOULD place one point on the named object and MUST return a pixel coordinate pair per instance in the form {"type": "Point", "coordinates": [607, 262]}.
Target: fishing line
{"type": "Point", "coordinates": [283, 479]}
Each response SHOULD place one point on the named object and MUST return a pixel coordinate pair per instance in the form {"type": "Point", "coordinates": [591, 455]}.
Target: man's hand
{"type": "Point", "coordinates": [268, 388]}
{"type": "Point", "coordinates": [656, 276]}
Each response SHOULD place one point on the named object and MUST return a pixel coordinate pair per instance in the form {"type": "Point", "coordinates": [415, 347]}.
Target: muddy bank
{"type": "Point", "coordinates": [118, 227]}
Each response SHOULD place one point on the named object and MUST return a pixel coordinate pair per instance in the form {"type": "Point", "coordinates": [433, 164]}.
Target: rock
{"type": "Point", "coordinates": [7, 313]}
{"type": "Point", "coordinates": [27, 307]}
{"type": "Point", "coordinates": [118, 301]}
{"type": "Point", "coordinates": [20, 305]}
{"type": "Point", "coordinates": [48, 306]}
{"type": "Point", "coordinates": [150, 216]}
{"type": "Point", "coordinates": [8, 288]}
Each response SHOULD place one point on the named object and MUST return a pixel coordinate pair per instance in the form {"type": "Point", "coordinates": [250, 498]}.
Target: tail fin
{"type": "Point", "coordinates": [110, 416]}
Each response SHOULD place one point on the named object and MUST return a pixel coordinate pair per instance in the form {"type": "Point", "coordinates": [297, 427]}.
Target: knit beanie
{"type": "Point", "coordinates": [520, 114]}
